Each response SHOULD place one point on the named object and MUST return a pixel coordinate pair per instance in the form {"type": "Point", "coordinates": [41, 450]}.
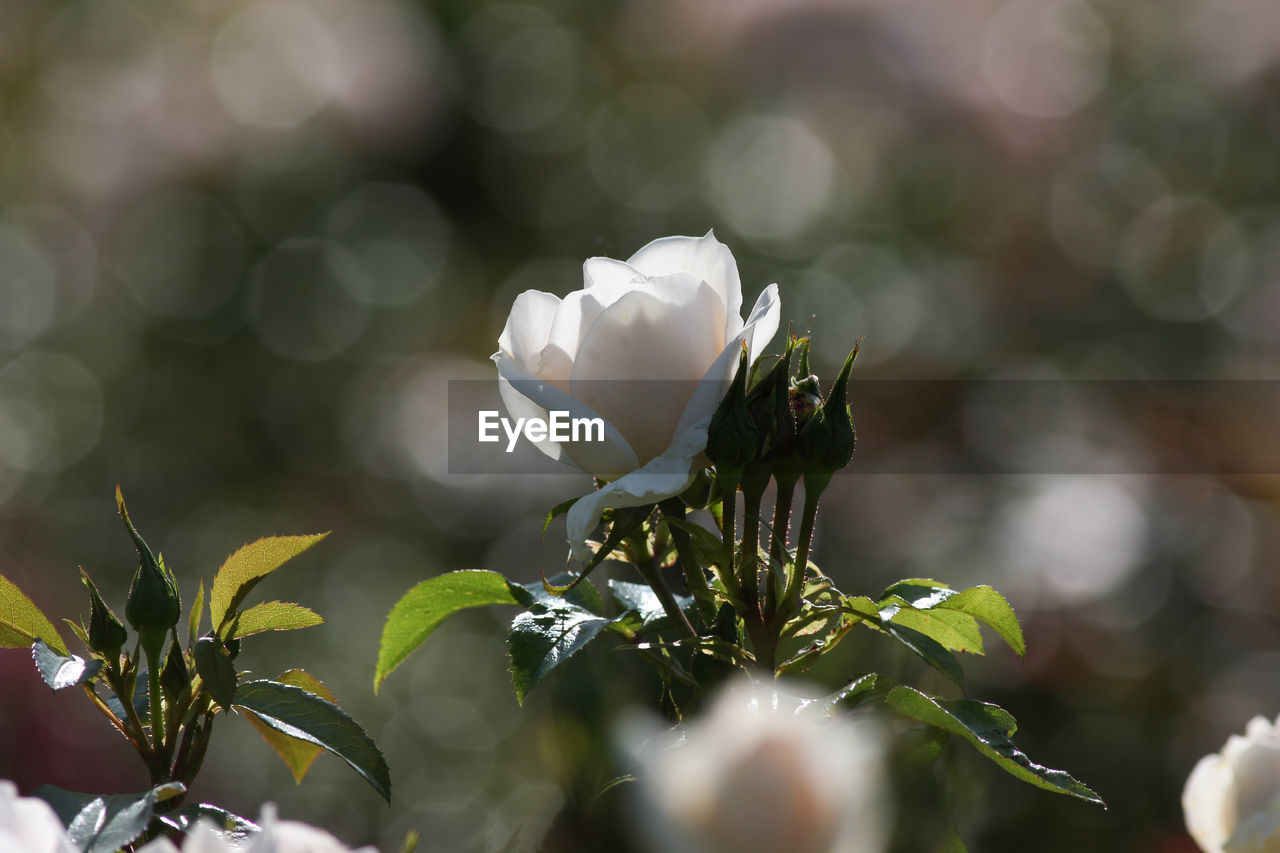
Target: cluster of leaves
{"type": "Point", "coordinates": [746, 604]}
{"type": "Point", "coordinates": [164, 697]}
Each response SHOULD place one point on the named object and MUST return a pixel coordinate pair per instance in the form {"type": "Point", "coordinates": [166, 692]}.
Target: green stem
{"type": "Point", "coordinates": [814, 486]}
{"type": "Point", "coordinates": [648, 568]}
{"type": "Point", "coordinates": [156, 701]}
{"type": "Point", "coordinates": [762, 639]}
{"type": "Point", "coordinates": [778, 541]}
{"type": "Point", "coordinates": [695, 577]}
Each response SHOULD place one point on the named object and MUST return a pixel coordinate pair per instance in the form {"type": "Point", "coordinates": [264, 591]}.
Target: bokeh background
{"type": "Point", "coordinates": [245, 244]}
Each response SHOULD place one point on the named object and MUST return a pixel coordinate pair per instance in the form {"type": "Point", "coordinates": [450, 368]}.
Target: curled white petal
{"type": "Point", "coordinates": [614, 453]}
{"type": "Point", "coordinates": [667, 475]}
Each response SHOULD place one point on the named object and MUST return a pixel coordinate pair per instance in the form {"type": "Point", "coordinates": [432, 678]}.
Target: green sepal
{"type": "Point", "coordinates": [106, 634]}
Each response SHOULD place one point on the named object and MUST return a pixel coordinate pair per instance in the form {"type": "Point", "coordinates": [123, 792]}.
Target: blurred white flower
{"type": "Point", "coordinates": [276, 836]}
{"type": "Point", "coordinates": [28, 825]}
{"type": "Point", "coordinates": [669, 316]}
{"type": "Point", "coordinates": [760, 773]}
{"type": "Point", "coordinates": [1232, 799]}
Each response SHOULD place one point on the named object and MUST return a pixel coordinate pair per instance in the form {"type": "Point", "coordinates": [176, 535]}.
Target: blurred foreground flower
{"type": "Point", "coordinates": [276, 836]}
{"type": "Point", "coordinates": [671, 317]}
{"type": "Point", "coordinates": [1232, 799]}
{"type": "Point", "coordinates": [28, 825]}
{"type": "Point", "coordinates": [763, 773]}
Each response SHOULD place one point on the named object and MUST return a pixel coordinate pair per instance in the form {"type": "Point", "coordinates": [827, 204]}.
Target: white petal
{"type": "Point", "coordinates": [573, 320]}
{"type": "Point", "coordinates": [600, 458]}
{"type": "Point", "coordinates": [667, 475]}
{"type": "Point", "coordinates": [607, 272]}
{"type": "Point", "coordinates": [706, 258]}
{"type": "Point", "coordinates": [528, 326]}
{"type": "Point", "coordinates": [765, 315]}
{"type": "Point", "coordinates": [759, 330]}
{"type": "Point", "coordinates": [1208, 801]}
{"type": "Point", "coordinates": [646, 354]}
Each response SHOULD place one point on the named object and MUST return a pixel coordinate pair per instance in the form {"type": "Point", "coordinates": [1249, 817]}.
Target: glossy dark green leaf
{"type": "Point", "coordinates": [306, 716]}
{"type": "Point", "coordinates": [215, 667]}
{"type": "Point", "coordinates": [231, 826]}
{"type": "Point", "coordinates": [105, 823]}
{"type": "Point", "coordinates": [989, 728]}
{"type": "Point", "coordinates": [22, 623]}
{"type": "Point", "coordinates": [298, 755]}
{"type": "Point", "coordinates": [59, 671]}
{"type": "Point", "coordinates": [644, 601]}
{"type": "Point", "coordinates": [849, 696]}
{"type": "Point", "coordinates": [421, 610]}
{"type": "Point", "coordinates": [543, 637]}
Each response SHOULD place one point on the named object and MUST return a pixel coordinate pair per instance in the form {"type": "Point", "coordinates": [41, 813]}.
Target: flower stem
{"type": "Point", "coordinates": [795, 581]}
{"type": "Point", "coordinates": [763, 640]}
{"type": "Point", "coordinates": [695, 577]}
{"type": "Point", "coordinates": [647, 565]}
{"type": "Point", "coordinates": [778, 541]}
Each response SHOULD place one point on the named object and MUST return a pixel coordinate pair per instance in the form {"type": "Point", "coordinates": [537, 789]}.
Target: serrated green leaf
{"type": "Point", "coordinates": [273, 616]}
{"type": "Point", "coordinates": [989, 606]}
{"type": "Point", "coordinates": [542, 638]}
{"type": "Point", "coordinates": [421, 610]}
{"type": "Point", "coordinates": [298, 755]}
{"type": "Point", "coordinates": [989, 728]}
{"type": "Point", "coordinates": [952, 629]}
{"type": "Point", "coordinates": [105, 823]}
{"type": "Point", "coordinates": [246, 567]}
{"type": "Point", "coordinates": [22, 623]}
{"type": "Point", "coordinates": [215, 667]}
{"type": "Point", "coordinates": [197, 613]}
{"type": "Point", "coordinates": [304, 715]}
{"type": "Point", "coordinates": [59, 671]}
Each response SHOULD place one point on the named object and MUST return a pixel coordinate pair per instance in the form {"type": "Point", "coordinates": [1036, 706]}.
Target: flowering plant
{"type": "Point", "coordinates": [715, 596]}
{"type": "Point", "coordinates": [1232, 798]}
{"type": "Point", "coordinates": [164, 698]}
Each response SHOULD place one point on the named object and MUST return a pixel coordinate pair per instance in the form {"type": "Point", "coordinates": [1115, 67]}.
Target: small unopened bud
{"type": "Point", "coordinates": [826, 440]}
{"type": "Point", "coordinates": [106, 632]}
{"type": "Point", "coordinates": [154, 605]}
{"type": "Point", "coordinates": [732, 438]}
{"type": "Point", "coordinates": [770, 407]}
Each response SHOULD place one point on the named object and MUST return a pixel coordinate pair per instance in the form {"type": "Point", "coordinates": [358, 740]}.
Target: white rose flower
{"type": "Point", "coordinates": [758, 774]}
{"type": "Point", "coordinates": [1232, 799]}
{"type": "Point", "coordinates": [29, 825]}
{"type": "Point", "coordinates": [276, 836]}
{"type": "Point", "coordinates": [672, 312]}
